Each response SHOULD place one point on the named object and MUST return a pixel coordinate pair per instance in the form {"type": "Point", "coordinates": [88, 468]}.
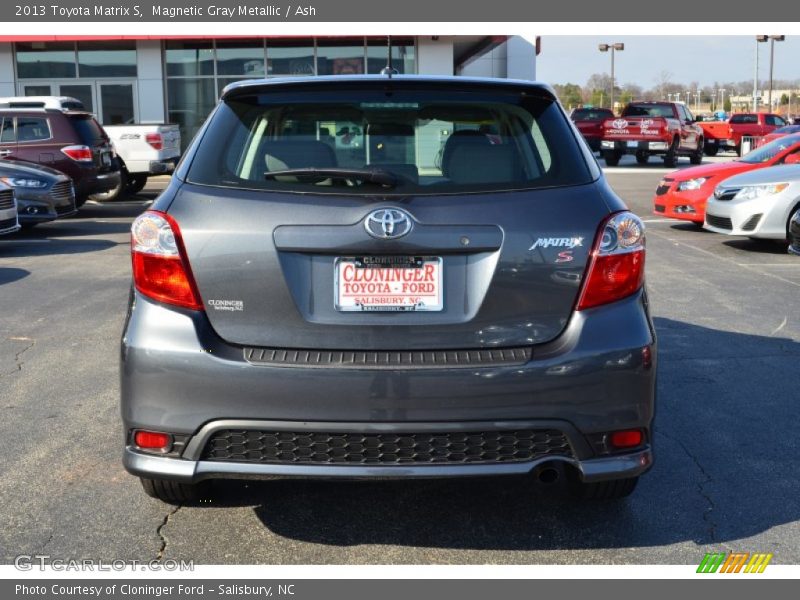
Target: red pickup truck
{"type": "Point", "coordinates": [589, 122]}
{"type": "Point", "coordinates": [727, 135]}
{"type": "Point", "coordinates": [653, 128]}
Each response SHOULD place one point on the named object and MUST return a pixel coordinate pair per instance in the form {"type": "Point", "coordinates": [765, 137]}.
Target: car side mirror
{"type": "Point", "coordinates": [792, 159]}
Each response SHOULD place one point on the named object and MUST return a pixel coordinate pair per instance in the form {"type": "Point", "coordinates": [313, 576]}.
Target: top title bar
{"type": "Point", "coordinates": [354, 11]}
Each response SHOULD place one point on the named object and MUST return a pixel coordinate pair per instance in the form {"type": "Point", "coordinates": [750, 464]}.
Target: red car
{"type": "Point", "coordinates": [683, 194]}
{"type": "Point", "coordinates": [776, 133]}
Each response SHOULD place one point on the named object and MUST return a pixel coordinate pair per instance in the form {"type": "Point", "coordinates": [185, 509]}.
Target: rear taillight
{"type": "Point", "coordinates": [616, 264]}
{"type": "Point", "coordinates": [155, 140]}
{"type": "Point", "coordinates": [160, 268]}
{"type": "Point", "coordinates": [79, 153]}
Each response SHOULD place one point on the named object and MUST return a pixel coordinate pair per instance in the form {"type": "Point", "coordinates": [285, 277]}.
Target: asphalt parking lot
{"type": "Point", "coordinates": [725, 476]}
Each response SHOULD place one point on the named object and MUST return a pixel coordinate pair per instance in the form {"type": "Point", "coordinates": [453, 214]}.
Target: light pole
{"type": "Point", "coordinates": [721, 92]}
{"type": "Point", "coordinates": [617, 46]}
{"type": "Point", "coordinates": [772, 39]}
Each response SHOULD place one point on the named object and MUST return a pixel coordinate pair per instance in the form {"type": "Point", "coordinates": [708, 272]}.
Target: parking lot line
{"type": "Point", "coordinates": [727, 260]}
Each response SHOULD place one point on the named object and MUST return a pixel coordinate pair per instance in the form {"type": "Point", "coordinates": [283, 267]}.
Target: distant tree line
{"type": "Point", "coordinates": [597, 92]}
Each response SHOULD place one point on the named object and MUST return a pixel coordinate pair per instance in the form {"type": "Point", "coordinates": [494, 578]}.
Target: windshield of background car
{"type": "Point", "coordinates": [649, 110]}
{"type": "Point", "coordinates": [769, 151]}
{"type": "Point", "coordinates": [430, 141]}
{"type": "Point", "coordinates": [591, 114]}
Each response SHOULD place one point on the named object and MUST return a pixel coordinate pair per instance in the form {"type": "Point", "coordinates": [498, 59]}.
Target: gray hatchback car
{"type": "Point", "coordinates": [390, 277]}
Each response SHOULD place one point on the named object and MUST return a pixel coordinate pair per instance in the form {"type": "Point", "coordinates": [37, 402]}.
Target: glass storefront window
{"type": "Point", "coordinates": [45, 60]}
{"type": "Point", "coordinates": [240, 57]}
{"type": "Point", "coordinates": [340, 56]}
{"type": "Point", "coordinates": [106, 59]}
{"type": "Point", "coordinates": [293, 57]}
{"type": "Point", "coordinates": [403, 55]}
{"type": "Point", "coordinates": [189, 58]}
{"type": "Point", "coordinates": [189, 101]}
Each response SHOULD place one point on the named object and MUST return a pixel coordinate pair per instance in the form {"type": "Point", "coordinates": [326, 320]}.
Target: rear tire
{"type": "Point", "coordinates": [671, 157]}
{"type": "Point", "coordinates": [611, 157]}
{"type": "Point", "coordinates": [136, 183]}
{"type": "Point", "coordinates": [738, 150]}
{"type": "Point", "coordinates": [642, 158]}
{"type": "Point", "coordinates": [175, 492]}
{"type": "Point", "coordinates": [604, 490]}
{"type": "Point", "coordinates": [711, 149]}
{"type": "Point", "coordinates": [696, 157]}
{"type": "Point", "coordinates": [118, 193]}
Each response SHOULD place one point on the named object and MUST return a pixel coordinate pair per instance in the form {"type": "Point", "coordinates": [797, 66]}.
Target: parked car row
{"type": "Point", "coordinates": [757, 195]}
{"type": "Point", "coordinates": [670, 130]}
{"type": "Point", "coordinates": [54, 155]}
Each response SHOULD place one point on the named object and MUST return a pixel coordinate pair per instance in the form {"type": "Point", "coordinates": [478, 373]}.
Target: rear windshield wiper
{"type": "Point", "coordinates": [378, 176]}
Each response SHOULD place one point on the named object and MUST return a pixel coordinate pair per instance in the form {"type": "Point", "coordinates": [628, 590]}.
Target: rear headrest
{"type": "Point", "coordinates": [293, 154]}
{"type": "Point", "coordinates": [465, 137]}
{"type": "Point", "coordinates": [477, 164]}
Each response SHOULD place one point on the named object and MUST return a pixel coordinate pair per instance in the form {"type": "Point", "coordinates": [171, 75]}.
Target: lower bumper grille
{"type": "Point", "coordinates": [660, 208]}
{"type": "Point", "coordinates": [719, 222]}
{"type": "Point", "coordinates": [316, 448]}
{"type": "Point", "coordinates": [8, 224]}
{"type": "Point", "coordinates": [752, 222]}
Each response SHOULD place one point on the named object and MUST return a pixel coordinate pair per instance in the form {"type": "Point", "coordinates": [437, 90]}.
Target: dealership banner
{"type": "Point", "coordinates": [375, 10]}
{"type": "Point", "coordinates": [406, 589]}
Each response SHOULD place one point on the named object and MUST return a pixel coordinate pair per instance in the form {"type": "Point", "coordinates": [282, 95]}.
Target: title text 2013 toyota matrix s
{"type": "Point", "coordinates": [388, 277]}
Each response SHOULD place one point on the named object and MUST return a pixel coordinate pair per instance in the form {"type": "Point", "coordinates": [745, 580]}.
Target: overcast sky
{"type": "Point", "coordinates": [572, 59]}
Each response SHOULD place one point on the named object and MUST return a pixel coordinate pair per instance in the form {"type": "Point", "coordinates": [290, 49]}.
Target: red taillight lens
{"type": "Point", "coordinates": [626, 439]}
{"type": "Point", "coordinates": [160, 268]}
{"type": "Point", "coordinates": [155, 140]}
{"type": "Point", "coordinates": [152, 440]}
{"type": "Point", "coordinates": [79, 153]}
{"type": "Point", "coordinates": [616, 267]}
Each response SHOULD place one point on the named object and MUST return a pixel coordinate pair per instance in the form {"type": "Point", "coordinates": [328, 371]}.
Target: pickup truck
{"type": "Point", "coordinates": [727, 135]}
{"type": "Point", "coordinates": [644, 129]}
{"type": "Point", "coordinates": [589, 122]}
{"type": "Point", "coordinates": [141, 150]}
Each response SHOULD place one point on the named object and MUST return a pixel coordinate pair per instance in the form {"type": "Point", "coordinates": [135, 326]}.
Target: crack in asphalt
{"type": "Point", "coordinates": [162, 537]}
{"type": "Point", "coordinates": [18, 362]}
{"type": "Point", "coordinates": [701, 489]}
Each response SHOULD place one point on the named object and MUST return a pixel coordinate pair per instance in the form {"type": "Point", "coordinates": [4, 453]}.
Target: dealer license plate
{"type": "Point", "coordinates": [633, 144]}
{"type": "Point", "coordinates": [388, 283]}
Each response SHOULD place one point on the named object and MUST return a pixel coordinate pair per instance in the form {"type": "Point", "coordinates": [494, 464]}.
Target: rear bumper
{"type": "Point", "coordinates": [634, 146]}
{"type": "Point", "coordinates": [178, 376]}
{"type": "Point", "coordinates": [190, 470]}
{"type": "Point", "coordinates": [93, 182]}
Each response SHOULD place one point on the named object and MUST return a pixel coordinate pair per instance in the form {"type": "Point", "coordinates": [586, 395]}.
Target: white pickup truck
{"type": "Point", "coordinates": [143, 150]}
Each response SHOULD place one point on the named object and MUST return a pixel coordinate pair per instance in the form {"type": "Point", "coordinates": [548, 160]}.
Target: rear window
{"type": "Point", "coordinates": [430, 142]}
{"type": "Point", "coordinates": [88, 129]}
{"type": "Point", "coordinates": [591, 114]}
{"type": "Point", "coordinates": [649, 110]}
{"type": "Point", "coordinates": [743, 119]}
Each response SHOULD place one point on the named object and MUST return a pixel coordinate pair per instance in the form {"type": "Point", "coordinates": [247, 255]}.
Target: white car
{"type": "Point", "coordinates": [758, 204]}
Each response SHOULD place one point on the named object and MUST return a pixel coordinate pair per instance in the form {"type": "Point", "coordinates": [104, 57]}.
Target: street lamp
{"type": "Point", "coordinates": [772, 39]}
{"type": "Point", "coordinates": [617, 46]}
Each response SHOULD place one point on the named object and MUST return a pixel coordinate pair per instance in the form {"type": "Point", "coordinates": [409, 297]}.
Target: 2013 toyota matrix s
{"type": "Point", "coordinates": [381, 276]}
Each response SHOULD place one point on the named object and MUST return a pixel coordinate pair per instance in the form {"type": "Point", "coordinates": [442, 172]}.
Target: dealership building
{"type": "Point", "coordinates": [148, 79]}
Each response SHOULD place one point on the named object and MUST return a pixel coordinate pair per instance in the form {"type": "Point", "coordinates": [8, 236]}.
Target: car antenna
{"type": "Point", "coordinates": [389, 70]}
